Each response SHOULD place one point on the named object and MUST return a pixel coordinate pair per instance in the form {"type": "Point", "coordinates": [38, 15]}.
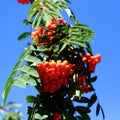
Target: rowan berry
{"type": "Point", "coordinates": [54, 74]}
{"type": "Point", "coordinates": [56, 116]}
{"type": "Point", "coordinates": [24, 1]}
{"type": "Point", "coordinates": [91, 61]}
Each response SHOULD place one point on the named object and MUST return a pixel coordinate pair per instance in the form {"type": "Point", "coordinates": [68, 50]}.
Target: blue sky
{"type": "Point", "coordinates": [102, 16]}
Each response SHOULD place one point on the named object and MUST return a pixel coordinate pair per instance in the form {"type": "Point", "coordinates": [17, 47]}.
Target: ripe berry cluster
{"type": "Point", "coordinates": [24, 1]}
{"type": "Point", "coordinates": [45, 35]}
{"type": "Point", "coordinates": [54, 74]}
{"type": "Point", "coordinates": [84, 86]}
{"type": "Point", "coordinates": [91, 61]}
{"type": "Point", "coordinates": [54, 24]}
{"type": "Point", "coordinates": [56, 116]}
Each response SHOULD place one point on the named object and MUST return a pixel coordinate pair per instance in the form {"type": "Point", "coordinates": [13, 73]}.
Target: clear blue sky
{"type": "Point", "coordinates": [103, 17]}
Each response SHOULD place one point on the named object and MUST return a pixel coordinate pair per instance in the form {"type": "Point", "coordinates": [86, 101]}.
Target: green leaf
{"type": "Point", "coordinates": [33, 59]}
{"type": "Point", "coordinates": [25, 78]}
{"type": "Point", "coordinates": [9, 82]}
{"type": "Point", "coordinates": [70, 13]}
{"type": "Point", "coordinates": [76, 43]}
{"type": "Point", "coordinates": [39, 117]}
{"type": "Point", "coordinates": [26, 22]}
{"type": "Point", "coordinates": [30, 71]}
{"type": "Point", "coordinates": [30, 99]}
{"type": "Point", "coordinates": [97, 109]}
{"type": "Point", "coordinates": [13, 104]}
{"type": "Point", "coordinates": [19, 84]}
{"type": "Point", "coordinates": [40, 48]}
{"type": "Point", "coordinates": [92, 100]}
{"type": "Point", "coordinates": [24, 35]}
{"type": "Point", "coordinates": [63, 47]}
{"type": "Point", "coordinates": [6, 92]}
{"type": "Point", "coordinates": [39, 11]}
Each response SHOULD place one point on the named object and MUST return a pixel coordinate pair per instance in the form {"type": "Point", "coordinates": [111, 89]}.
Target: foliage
{"type": "Point", "coordinates": [59, 63]}
{"type": "Point", "coordinates": [9, 111]}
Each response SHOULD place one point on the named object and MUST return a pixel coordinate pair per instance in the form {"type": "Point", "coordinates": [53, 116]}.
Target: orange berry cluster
{"type": "Point", "coordinates": [84, 86]}
{"type": "Point", "coordinates": [40, 33]}
{"type": "Point", "coordinates": [24, 1]}
{"type": "Point", "coordinates": [54, 24]}
{"type": "Point", "coordinates": [56, 116]}
{"type": "Point", "coordinates": [45, 36]}
{"type": "Point", "coordinates": [91, 61]}
{"type": "Point", "coordinates": [54, 74]}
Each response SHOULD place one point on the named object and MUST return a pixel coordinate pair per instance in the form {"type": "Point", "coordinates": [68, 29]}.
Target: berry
{"type": "Point", "coordinates": [24, 1]}
{"type": "Point", "coordinates": [91, 61]}
{"type": "Point", "coordinates": [54, 74]}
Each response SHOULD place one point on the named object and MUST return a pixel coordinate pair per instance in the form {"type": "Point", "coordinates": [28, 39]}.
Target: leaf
{"type": "Point", "coordinates": [40, 48]}
{"type": "Point", "coordinates": [102, 113]}
{"type": "Point", "coordinates": [30, 71]}
{"type": "Point", "coordinates": [82, 110]}
{"type": "Point", "coordinates": [24, 35]}
{"type": "Point", "coordinates": [40, 10]}
{"type": "Point", "coordinates": [97, 109]}
{"type": "Point", "coordinates": [39, 117]}
{"type": "Point", "coordinates": [93, 79]}
{"type": "Point", "coordinates": [29, 110]}
{"type": "Point", "coordinates": [63, 47]}
{"type": "Point", "coordinates": [6, 92]}
{"type": "Point", "coordinates": [19, 84]}
{"type": "Point", "coordinates": [76, 43]}
{"type": "Point", "coordinates": [33, 59]}
{"type": "Point", "coordinates": [85, 117]}
{"type": "Point", "coordinates": [9, 82]}
{"type": "Point", "coordinates": [89, 49]}
{"type": "Point", "coordinates": [92, 100]}
{"type": "Point", "coordinates": [26, 22]}
{"type": "Point", "coordinates": [25, 78]}
{"type": "Point", "coordinates": [70, 13]}
{"type": "Point", "coordinates": [30, 99]}
{"type": "Point", "coordinates": [84, 100]}
{"type": "Point", "coordinates": [36, 19]}
{"type": "Point", "coordinates": [13, 104]}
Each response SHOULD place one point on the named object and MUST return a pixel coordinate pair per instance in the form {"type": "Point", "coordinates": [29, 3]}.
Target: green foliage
{"type": "Point", "coordinates": [24, 35]}
{"type": "Point", "coordinates": [39, 117]}
{"type": "Point", "coordinates": [30, 99]}
{"type": "Point", "coordinates": [10, 111]}
{"type": "Point", "coordinates": [42, 11]}
{"type": "Point", "coordinates": [9, 82]}
{"type": "Point", "coordinates": [70, 43]}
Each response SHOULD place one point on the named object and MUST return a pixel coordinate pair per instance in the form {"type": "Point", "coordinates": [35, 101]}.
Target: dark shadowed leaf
{"type": "Point", "coordinates": [97, 109]}
{"type": "Point", "coordinates": [82, 110]}
{"type": "Point", "coordinates": [85, 117]}
{"type": "Point", "coordinates": [102, 113]}
{"type": "Point", "coordinates": [93, 79]}
{"type": "Point", "coordinates": [92, 100]}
